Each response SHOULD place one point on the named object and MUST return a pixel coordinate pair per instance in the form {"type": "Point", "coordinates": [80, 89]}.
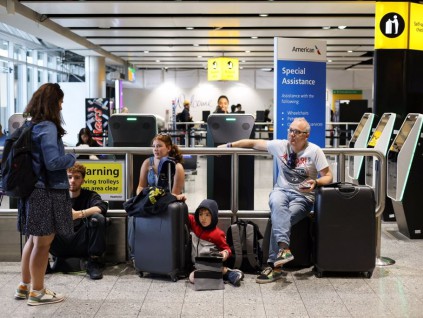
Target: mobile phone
{"type": "Point", "coordinates": [305, 186]}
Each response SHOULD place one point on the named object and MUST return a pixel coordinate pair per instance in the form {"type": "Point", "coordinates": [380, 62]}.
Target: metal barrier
{"type": "Point", "coordinates": [339, 153]}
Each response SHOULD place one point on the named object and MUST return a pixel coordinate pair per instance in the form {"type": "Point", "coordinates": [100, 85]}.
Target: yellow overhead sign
{"type": "Point", "coordinates": [391, 29]}
{"type": "Point", "coordinates": [223, 69]}
{"type": "Point", "coordinates": [416, 27]}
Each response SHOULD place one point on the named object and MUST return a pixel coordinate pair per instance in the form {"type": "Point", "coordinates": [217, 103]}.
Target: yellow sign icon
{"type": "Point", "coordinates": [391, 29]}
{"type": "Point", "coordinates": [223, 69]}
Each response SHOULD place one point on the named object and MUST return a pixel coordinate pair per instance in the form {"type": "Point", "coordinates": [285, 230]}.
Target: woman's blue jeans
{"type": "Point", "coordinates": [286, 209]}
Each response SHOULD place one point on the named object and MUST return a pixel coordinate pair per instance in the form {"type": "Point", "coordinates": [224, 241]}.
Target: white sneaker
{"type": "Point", "coordinates": [44, 297]}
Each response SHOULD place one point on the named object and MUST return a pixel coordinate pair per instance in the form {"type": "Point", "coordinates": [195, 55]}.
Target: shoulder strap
{"type": "Point", "coordinates": [236, 240]}
{"type": "Point", "coordinates": [249, 238]}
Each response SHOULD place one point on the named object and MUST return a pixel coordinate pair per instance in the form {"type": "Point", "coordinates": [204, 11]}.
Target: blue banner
{"type": "Point", "coordinates": [301, 92]}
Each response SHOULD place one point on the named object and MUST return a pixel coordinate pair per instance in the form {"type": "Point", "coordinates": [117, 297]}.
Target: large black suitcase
{"type": "Point", "coordinates": [345, 229]}
{"type": "Point", "coordinates": [162, 242]}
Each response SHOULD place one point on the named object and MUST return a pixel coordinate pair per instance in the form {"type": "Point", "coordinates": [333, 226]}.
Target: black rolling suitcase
{"type": "Point", "coordinates": [345, 229]}
{"type": "Point", "coordinates": [162, 242]}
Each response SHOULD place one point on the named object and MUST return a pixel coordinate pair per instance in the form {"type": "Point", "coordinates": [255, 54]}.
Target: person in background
{"type": "Point", "coordinates": [184, 117]}
{"type": "Point", "coordinates": [267, 119]}
{"type": "Point", "coordinates": [302, 167]}
{"type": "Point", "coordinates": [2, 140]}
{"type": "Point", "coordinates": [233, 108]}
{"type": "Point", "coordinates": [238, 109]}
{"type": "Point", "coordinates": [205, 232]}
{"type": "Point", "coordinates": [222, 105]}
{"type": "Point", "coordinates": [85, 139]}
{"type": "Point", "coordinates": [89, 221]}
{"type": "Point", "coordinates": [48, 209]}
{"type": "Point", "coordinates": [162, 147]}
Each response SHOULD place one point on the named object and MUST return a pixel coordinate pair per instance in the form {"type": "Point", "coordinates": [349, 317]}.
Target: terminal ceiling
{"type": "Point", "coordinates": [184, 34]}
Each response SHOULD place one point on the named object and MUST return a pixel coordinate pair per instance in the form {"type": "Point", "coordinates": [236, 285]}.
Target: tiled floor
{"type": "Point", "coordinates": [393, 291]}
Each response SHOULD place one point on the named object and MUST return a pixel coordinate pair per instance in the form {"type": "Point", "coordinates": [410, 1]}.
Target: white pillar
{"type": "Point", "coordinates": [95, 76]}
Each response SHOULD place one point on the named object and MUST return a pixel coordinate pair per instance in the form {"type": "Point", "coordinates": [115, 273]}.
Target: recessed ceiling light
{"type": "Point", "coordinates": [146, 52]}
{"type": "Point", "coordinates": [157, 61]}
{"type": "Point", "coordinates": [195, 44]}
{"type": "Point", "coordinates": [349, 51]}
{"type": "Point", "coordinates": [243, 61]}
{"type": "Point", "coordinates": [254, 37]}
{"type": "Point", "coordinates": [329, 61]}
{"type": "Point", "coordinates": [342, 27]}
{"type": "Point", "coordinates": [189, 28]}
{"type": "Point", "coordinates": [263, 15]}
{"type": "Point", "coordinates": [247, 51]}
{"type": "Point", "coordinates": [241, 68]}
{"type": "Point", "coordinates": [266, 69]}
{"type": "Point", "coordinates": [199, 56]}
{"type": "Point", "coordinates": [326, 27]}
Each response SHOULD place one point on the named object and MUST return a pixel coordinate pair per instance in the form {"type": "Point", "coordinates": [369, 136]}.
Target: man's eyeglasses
{"type": "Point", "coordinates": [296, 132]}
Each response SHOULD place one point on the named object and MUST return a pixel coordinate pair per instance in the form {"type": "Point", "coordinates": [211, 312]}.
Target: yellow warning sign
{"type": "Point", "coordinates": [416, 27]}
{"type": "Point", "coordinates": [107, 178]}
{"type": "Point", "coordinates": [391, 29]}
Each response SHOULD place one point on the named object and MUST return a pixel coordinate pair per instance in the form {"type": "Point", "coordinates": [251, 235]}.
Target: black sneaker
{"type": "Point", "coordinates": [94, 269]}
{"type": "Point", "coordinates": [269, 275]}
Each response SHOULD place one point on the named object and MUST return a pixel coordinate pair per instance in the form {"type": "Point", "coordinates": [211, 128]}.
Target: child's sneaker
{"type": "Point", "coordinates": [44, 297]}
{"type": "Point", "coordinates": [269, 275]}
{"type": "Point", "coordinates": [22, 291]}
{"type": "Point", "coordinates": [235, 276]}
{"type": "Point", "coordinates": [284, 256]}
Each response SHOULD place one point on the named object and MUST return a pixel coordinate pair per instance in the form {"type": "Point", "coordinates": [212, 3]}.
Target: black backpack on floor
{"type": "Point", "coordinates": [243, 238]}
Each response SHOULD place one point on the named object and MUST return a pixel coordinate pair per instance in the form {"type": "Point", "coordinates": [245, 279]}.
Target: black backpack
{"type": "Point", "coordinates": [18, 175]}
{"type": "Point", "coordinates": [243, 238]}
{"type": "Point", "coordinates": [166, 173]}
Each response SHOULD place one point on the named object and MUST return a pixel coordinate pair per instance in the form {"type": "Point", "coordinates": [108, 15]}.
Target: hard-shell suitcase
{"type": "Point", "coordinates": [162, 242]}
{"type": "Point", "coordinates": [345, 229]}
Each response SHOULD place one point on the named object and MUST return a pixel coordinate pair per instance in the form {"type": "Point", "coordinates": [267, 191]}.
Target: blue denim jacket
{"type": "Point", "coordinates": [48, 158]}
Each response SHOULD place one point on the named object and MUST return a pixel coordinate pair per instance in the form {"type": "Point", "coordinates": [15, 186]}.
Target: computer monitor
{"type": "Point", "coordinates": [229, 127]}
{"type": "Point", "coordinates": [132, 130]}
{"type": "Point", "coordinates": [206, 114]}
{"type": "Point", "coordinates": [260, 116]}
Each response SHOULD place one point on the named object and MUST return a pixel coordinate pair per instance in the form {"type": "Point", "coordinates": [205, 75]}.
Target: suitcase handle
{"type": "Point", "coordinates": [346, 188]}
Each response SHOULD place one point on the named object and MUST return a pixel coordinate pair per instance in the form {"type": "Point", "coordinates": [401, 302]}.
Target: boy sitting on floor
{"type": "Point", "coordinates": [206, 236]}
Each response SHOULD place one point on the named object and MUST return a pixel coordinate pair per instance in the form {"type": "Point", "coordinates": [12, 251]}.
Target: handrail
{"type": "Point", "coordinates": [235, 153]}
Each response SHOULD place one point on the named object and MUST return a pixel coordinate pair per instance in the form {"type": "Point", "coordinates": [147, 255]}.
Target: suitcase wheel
{"type": "Point", "coordinates": [174, 278]}
{"type": "Point", "coordinates": [140, 274]}
{"type": "Point", "coordinates": [368, 274]}
{"type": "Point", "coordinates": [319, 274]}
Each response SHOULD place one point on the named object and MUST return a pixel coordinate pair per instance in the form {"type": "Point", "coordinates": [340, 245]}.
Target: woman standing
{"type": "Point", "coordinates": [48, 209]}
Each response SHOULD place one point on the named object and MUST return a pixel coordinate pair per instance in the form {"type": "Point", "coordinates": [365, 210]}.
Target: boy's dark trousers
{"type": "Point", "coordinates": [88, 240]}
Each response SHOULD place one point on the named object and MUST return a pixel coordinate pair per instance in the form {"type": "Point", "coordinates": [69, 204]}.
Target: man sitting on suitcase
{"type": "Point", "coordinates": [89, 239]}
{"type": "Point", "coordinates": [302, 167]}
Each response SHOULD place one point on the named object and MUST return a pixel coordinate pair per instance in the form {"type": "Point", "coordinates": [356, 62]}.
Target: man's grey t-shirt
{"type": "Point", "coordinates": [309, 162]}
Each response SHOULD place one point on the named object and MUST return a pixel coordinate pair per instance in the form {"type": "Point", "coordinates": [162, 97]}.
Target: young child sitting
{"type": "Point", "coordinates": [207, 236]}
